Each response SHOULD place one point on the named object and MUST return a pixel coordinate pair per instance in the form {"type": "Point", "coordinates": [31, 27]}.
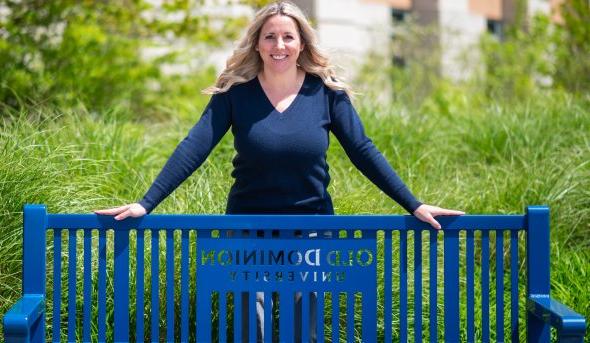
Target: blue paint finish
{"type": "Point", "coordinates": [433, 288]}
{"type": "Point", "coordinates": [155, 289]}
{"type": "Point", "coordinates": [34, 249]}
{"type": "Point", "coordinates": [418, 286]}
{"type": "Point", "coordinates": [56, 285]}
{"type": "Point", "coordinates": [470, 273]}
{"type": "Point", "coordinates": [72, 285]}
{"type": "Point", "coordinates": [121, 284]}
{"type": "Point", "coordinates": [102, 285]}
{"type": "Point", "coordinates": [403, 286]}
{"type": "Point", "coordinates": [184, 288]}
{"type": "Point", "coordinates": [87, 285]}
{"type": "Point", "coordinates": [305, 304]}
{"type": "Point", "coordinates": [320, 317]}
{"type": "Point", "coordinates": [170, 285]}
{"type": "Point", "coordinates": [388, 285]}
{"type": "Point", "coordinates": [139, 287]}
{"type": "Point", "coordinates": [570, 325]}
{"type": "Point", "coordinates": [514, 331]}
{"type": "Point", "coordinates": [287, 222]}
{"type": "Point", "coordinates": [485, 286]}
{"type": "Point", "coordinates": [352, 256]}
{"type": "Point", "coordinates": [251, 316]}
{"type": "Point", "coordinates": [451, 275]}
{"type": "Point", "coordinates": [499, 286]}
{"type": "Point", "coordinates": [538, 268]}
{"type": "Point", "coordinates": [24, 318]}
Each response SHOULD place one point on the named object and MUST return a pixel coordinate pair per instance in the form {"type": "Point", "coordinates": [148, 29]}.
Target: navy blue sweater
{"type": "Point", "coordinates": [280, 165]}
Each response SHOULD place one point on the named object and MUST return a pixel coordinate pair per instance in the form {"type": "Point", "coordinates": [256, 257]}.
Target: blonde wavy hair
{"type": "Point", "coordinates": [245, 62]}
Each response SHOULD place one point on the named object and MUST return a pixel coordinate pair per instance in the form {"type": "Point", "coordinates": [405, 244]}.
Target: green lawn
{"type": "Point", "coordinates": [457, 152]}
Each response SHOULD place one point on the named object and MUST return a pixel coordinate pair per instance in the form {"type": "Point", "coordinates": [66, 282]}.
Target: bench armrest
{"type": "Point", "coordinates": [571, 326]}
{"type": "Point", "coordinates": [21, 317]}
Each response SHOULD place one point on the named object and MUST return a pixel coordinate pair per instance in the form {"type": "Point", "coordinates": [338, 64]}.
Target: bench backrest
{"type": "Point", "coordinates": [372, 277]}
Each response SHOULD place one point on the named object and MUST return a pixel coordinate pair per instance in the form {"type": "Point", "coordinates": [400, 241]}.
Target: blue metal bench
{"type": "Point", "coordinates": [364, 285]}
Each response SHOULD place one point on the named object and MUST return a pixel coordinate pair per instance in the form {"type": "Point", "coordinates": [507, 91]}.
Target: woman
{"type": "Point", "coordinates": [281, 98]}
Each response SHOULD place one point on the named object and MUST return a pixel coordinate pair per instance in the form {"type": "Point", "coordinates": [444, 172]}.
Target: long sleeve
{"type": "Point", "coordinates": [192, 151]}
{"type": "Point", "coordinates": [348, 129]}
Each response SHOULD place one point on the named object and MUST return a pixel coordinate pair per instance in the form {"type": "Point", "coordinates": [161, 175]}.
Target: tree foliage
{"type": "Point", "coordinates": [67, 52]}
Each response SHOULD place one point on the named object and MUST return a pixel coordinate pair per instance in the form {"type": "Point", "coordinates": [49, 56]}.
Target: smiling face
{"type": "Point", "coordinates": [279, 44]}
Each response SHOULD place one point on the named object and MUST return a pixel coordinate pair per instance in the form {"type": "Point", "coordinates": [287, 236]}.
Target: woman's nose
{"type": "Point", "coordinates": [280, 43]}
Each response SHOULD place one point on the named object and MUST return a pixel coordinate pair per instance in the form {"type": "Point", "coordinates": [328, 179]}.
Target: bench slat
{"type": "Point", "coordinates": [102, 285]}
{"type": "Point", "coordinates": [499, 286]}
{"type": "Point", "coordinates": [155, 290]}
{"type": "Point", "coordinates": [320, 317]}
{"type": "Point", "coordinates": [72, 285]}
{"type": "Point", "coordinates": [451, 282]}
{"type": "Point", "coordinates": [485, 286]}
{"type": "Point", "coordinates": [286, 325]}
{"type": "Point", "coordinates": [470, 272]}
{"type": "Point", "coordinates": [139, 289]}
{"type": "Point", "coordinates": [418, 286]}
{"type": "Point", "coordinates": [170, 285]}
{"type": "Point", "coordinates": [121, 284]}
{"type": "Point", "coordinates": [252, 320]}
{"type": "Point", "coordinates": [514, 286]}
{"type": "Point", "coordinates": [184, 290]}
{"type": "Point", "coordinates": [433, 321]}
{"type": "Point", "coordinates": [87, 284]}
{"type": "Point", "coordinates": [56, 285]}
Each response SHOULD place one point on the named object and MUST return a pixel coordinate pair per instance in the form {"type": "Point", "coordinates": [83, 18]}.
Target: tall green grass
{"type": "Point", "coordinates": [455, 151]}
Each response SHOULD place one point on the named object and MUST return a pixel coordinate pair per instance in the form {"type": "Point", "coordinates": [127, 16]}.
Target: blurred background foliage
{"type": "Point", "coordinates": [88, 120]}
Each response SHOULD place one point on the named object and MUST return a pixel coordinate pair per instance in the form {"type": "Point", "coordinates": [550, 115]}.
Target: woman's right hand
{"type": "Point", "coordinates": [122, 212]}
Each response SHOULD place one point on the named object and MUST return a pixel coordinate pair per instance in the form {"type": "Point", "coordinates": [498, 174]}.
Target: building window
{"type": "Point", "coordinates": [495, 27]}
{"type": "Point", "coordinates": [397, 15]}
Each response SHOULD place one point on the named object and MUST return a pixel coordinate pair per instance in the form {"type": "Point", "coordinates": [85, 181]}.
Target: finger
{"type": "Point", "coordinates": [445, 212]}
{"type": "Point", "coordinates": [112, 211]}
{"type": "Point", "coordinates": [123, 215]}
{"type": "Point", "coordinates": [430, 220]}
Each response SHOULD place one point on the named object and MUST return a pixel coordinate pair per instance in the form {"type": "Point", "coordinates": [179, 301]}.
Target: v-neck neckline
{"type": "Point", "coordinates": [291, 105]}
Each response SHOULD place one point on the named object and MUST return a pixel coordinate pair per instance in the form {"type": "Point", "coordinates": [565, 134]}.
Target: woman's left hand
{"type": "Point", "coordinates": [426, 213]}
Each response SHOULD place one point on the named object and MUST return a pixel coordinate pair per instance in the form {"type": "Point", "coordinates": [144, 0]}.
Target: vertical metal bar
{"type": "Point", "coordinates": [305, 316]}
{"type": "Point", "coordinates": [485, 286]}
{"type": "Point", "coordinates": [350, 316]}
{"type": "Point", "coordinates": [320, 317]}
{"type": "Point", "coordinates": [433, 321]}
{"type": "Point", "coordinates": [72, 285]}
{"type": "Point", "coordinates": [451, 274]}
{"type": "Point", "coordinates": [56, 285]}
{"type": "Point", "coordinates": [87, 284]}
{"type": "Point", "coordinates": [499, 286]}
{"type": "Point", "coordinates": [121, 286]}
{"type": "Point", "coordinates": [139, 286]}
{"type": "Point", "coordinates": [184, 286]}
{"type": "Point", "coordinates": [387, 287]}
{"type": "Point", "coordinates": [222, 316]}
{"type": "Point", "coordinates": [102, 284]}
{"type": "Point", "coordinates": [335, 317]}
{"type": "Point", "coordinates": [538, 266]}
{"type": "Point", "coordinates": [170, 285]}
{"type": "Point", "coordinates": [155, 294]}
{"type": "Point", "coordinates": [204, 311]}
{"type": "Point", "coordinates": [403, 286]}
{"type": "Point", "coordinates": [237, 316]}
{"type": "Point", "coordinates": [514, 286]}
{"type": "Point", "coordinates": [470, 273]}
{"type": "Point", "coordinates": [417, 286]}
{"type": "Point", "coordinates": [34, 248]}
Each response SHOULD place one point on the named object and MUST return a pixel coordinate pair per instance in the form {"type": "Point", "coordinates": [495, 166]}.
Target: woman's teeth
{"type": "Point", "coordinates": [278, 57]}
